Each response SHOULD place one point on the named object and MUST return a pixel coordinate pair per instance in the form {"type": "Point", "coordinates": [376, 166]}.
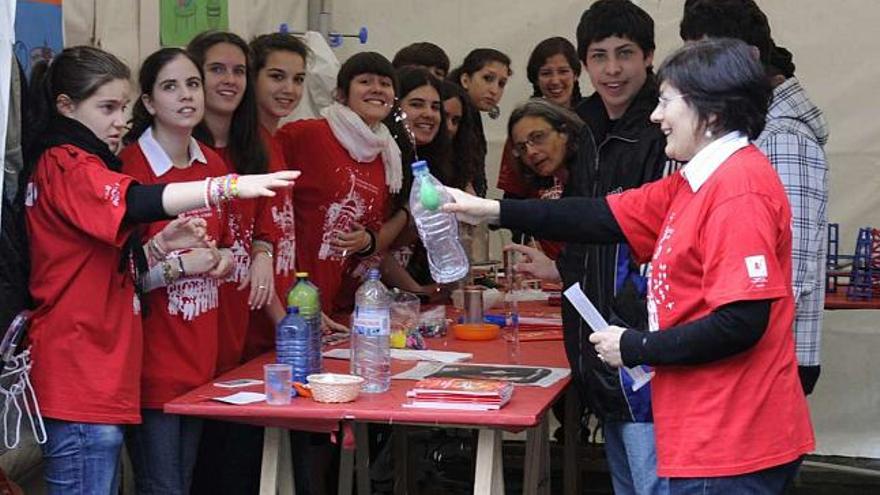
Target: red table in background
{"type": "Point", "coordinates": [527, 410]}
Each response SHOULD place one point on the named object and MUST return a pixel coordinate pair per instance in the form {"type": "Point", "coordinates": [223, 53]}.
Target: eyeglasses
{"type": "Point", "coordinates": [536, 138]}
{"type": "Point", "coordinates": [662, 101]}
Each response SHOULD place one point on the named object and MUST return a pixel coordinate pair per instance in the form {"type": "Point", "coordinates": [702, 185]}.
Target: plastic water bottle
{"type": "Point", "coordinates": [370, 335]}
{"type": "Point", "coordinates": [438, 230]}
{"type": "Point", "coordinates": [292, 342]}
{"type": "Point", "coordinates": [306, 297]}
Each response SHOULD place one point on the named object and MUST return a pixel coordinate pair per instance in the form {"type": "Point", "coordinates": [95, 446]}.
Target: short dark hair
{"type": "Point", "coordinates": [364, 63]}
{"type": "Point", "coordinates": [246, 150]}
{"type": "Point", "coordinates": [476, 60]}
{"type": "Point", "coordinates": [265, 44]}
{"type": "Point", "coordinates": [141, 119]}
{"type": "Point", "coordinates": [740, 19]}
{"type": "Point", "coordinates": [421, 53]}
{"type": "Point", "coordinates": [556, 45]}
{"type": "Point", "coordinates": [620, 18]}
{"type": "Point", "coordinates": [560, 119]}
{"type": "Point", "coordinates": [720, 77]}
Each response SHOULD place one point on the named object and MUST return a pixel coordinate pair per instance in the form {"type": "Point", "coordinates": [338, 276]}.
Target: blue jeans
{"type": "Point", "coordinates": [771, 481]}
{"type": "Point", "coordinates": [163, 452]}
{"type": "Point", "coordinates": [632, 459]}
{"type": "Point", "coordinates": [82, 458]}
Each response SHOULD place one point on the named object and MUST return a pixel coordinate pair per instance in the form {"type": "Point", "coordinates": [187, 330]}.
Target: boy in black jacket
{"type": "Point", "coordinates": [619, 149]}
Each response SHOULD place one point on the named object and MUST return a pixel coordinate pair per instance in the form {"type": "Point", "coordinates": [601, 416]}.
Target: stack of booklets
{"type": "Point", "coordinates": [460, 394]}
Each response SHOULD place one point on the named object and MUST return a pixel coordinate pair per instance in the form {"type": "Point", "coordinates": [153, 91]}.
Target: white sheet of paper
{"type": "Point", "coordinates": [591, 315]}
{"type": "Point", "coordinates": [242, 398]}
{"type": "Point", "coordinates": [238, 383]}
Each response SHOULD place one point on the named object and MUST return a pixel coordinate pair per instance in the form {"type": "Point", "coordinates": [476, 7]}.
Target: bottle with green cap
{"type": "Point", "coordinates": [307, 298]}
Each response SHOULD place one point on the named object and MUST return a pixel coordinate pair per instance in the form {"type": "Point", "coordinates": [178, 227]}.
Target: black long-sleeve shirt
{"type": "Point", "coordinates": [728, 330]}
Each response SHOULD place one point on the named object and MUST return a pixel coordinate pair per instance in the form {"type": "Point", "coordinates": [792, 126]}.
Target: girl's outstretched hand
{"type": "Point", "coordinates": [254, 186]}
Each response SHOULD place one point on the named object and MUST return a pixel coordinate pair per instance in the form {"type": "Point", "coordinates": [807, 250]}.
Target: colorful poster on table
{"type": "Point", "coordinates": [39, 31]}
{"type": "Point", "coordinates": [181, 20]}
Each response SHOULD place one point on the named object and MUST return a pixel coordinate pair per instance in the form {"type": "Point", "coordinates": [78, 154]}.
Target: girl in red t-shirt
{"type": "Point", "coordinates": [279, 62]}
{"type": "Point", "coordinates": [354, 165]}
{"type": "Point", "coordinates": [230, 126]}
{"type": "Point", "coordinates": [180, 325]}
{"type": "Point", "coordinates": [85, 336]}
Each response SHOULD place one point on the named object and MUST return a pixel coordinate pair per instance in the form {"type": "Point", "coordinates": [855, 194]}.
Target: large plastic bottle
{"type": "Point", "coordinates": [292, 342]}
{"type": "Point", "coordinates": [438, 230]}
{"type": "Point", "coordinates": [370, 335]}
{"type": "Point", "coordinates": [307, 298]}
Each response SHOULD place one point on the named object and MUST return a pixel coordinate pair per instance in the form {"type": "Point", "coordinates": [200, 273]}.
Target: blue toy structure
{"type": "Point", "coordinates": [862, 269]}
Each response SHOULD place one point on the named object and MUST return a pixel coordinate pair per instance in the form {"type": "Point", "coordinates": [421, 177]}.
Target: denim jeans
{"type": "Point", "coordinates": [771, 481]}
{"type": "Point", "coordinates": [163, 452]}
{"type": "Point", "coordinates": [632, 459]}
{"type": "Point", "coordinates": [82, 458]}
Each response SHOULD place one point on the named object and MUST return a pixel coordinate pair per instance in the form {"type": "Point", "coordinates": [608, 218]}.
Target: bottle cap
{"type": "Point", "coordinates": [292, 310]}
{"type": "Point", "coordinates": [419, 165]}
{"type": "Point", "coordinates": [302, 274]}
{"type": "Point", "coordinates": [373, 274]}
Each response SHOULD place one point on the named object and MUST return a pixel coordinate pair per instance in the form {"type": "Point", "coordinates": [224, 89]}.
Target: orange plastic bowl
{"type": "Point", "coordinates": [475, 331]}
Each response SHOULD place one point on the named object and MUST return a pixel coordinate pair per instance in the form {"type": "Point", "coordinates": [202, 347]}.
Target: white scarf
{"type": "Point", "coordinates": [363, 143]}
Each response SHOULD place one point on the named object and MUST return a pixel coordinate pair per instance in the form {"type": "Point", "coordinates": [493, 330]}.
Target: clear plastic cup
{"type": "Point", "coordinates": [277, 379]}
{"type": "Point", "coordinates": [405, 309]}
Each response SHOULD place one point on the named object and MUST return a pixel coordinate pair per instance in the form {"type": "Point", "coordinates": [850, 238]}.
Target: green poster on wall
{"type": "Point", "coordinates": [180, 20]}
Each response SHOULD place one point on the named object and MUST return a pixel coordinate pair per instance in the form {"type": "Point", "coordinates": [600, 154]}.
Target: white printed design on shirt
{"type": "Point", "coordinates": [241, 259]}
{"type": "Point", "coordinates": [190, 297]}
{"type": "Point", "coordinates": [659, 295]}
{"type": "Point", "coordinates": [342, 214]}
{"type": "Point", "coordinates": [111, 193]}
{"type": "Point", "coordinates": [285, 251]}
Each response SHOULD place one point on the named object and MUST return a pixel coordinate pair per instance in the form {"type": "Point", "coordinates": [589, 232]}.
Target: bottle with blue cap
{"type": "Point", "coordinates": [438, 230]}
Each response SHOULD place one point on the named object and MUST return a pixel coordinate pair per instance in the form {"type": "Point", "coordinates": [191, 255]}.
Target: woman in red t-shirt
{"type": "Point", "coordinates": [279, 62]}
{"type": "Point", "coordinates": [85, 336]}
{"type": "Point", "coordinates": [354, 165]}
{"type": "Point", "coordinates": [232, 129]}
{"type": "Point", "coordinates": [180, 324]}
{"type": "Point", "coordinates": [545, 140]}
{"type": "Point", "coordinates": [729, 412]}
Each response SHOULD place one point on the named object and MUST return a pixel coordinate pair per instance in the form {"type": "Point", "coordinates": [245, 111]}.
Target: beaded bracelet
{"type": "Point", "coordinates": [219, 189]}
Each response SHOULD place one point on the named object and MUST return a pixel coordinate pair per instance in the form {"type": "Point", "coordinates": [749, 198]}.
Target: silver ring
{"type": "Point", "coordinates": [601, 358]}
{"type": "Point", "coordinates": [261, 287]}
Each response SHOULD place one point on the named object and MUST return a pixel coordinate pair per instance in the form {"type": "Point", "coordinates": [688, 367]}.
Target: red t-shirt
{"type": "Point", "coordinates": [730, 241]}
{"type": "Point", "coordinates": [280, 221]}
{"type": "Point", "coordinates": [333, 191]}
{"type": "Point", "coordinates": [180, 324]}
{"type": "Point", "coordinates": [86, 339]}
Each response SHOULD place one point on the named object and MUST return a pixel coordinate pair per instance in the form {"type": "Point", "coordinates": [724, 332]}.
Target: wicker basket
{"type": "Point", "coordinates": [334, 387]}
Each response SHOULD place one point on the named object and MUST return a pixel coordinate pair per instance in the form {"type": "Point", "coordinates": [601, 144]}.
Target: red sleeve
{"type": "Point", "coordinates": [740, 260]}
{"type": "Point", "coordinates": [641, 213]}
{"type": "Point", "coordinates": [90, 196]}
{"type": "Point", "coordinates": [509, 178]}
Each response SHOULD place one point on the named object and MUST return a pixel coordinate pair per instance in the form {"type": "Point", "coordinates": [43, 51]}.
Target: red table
{"type": "Point", "coordinates": [526, 410]}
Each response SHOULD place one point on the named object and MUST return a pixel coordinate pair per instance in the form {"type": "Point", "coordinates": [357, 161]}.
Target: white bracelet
{"type": "Point", "coordinates": [207, 195]}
